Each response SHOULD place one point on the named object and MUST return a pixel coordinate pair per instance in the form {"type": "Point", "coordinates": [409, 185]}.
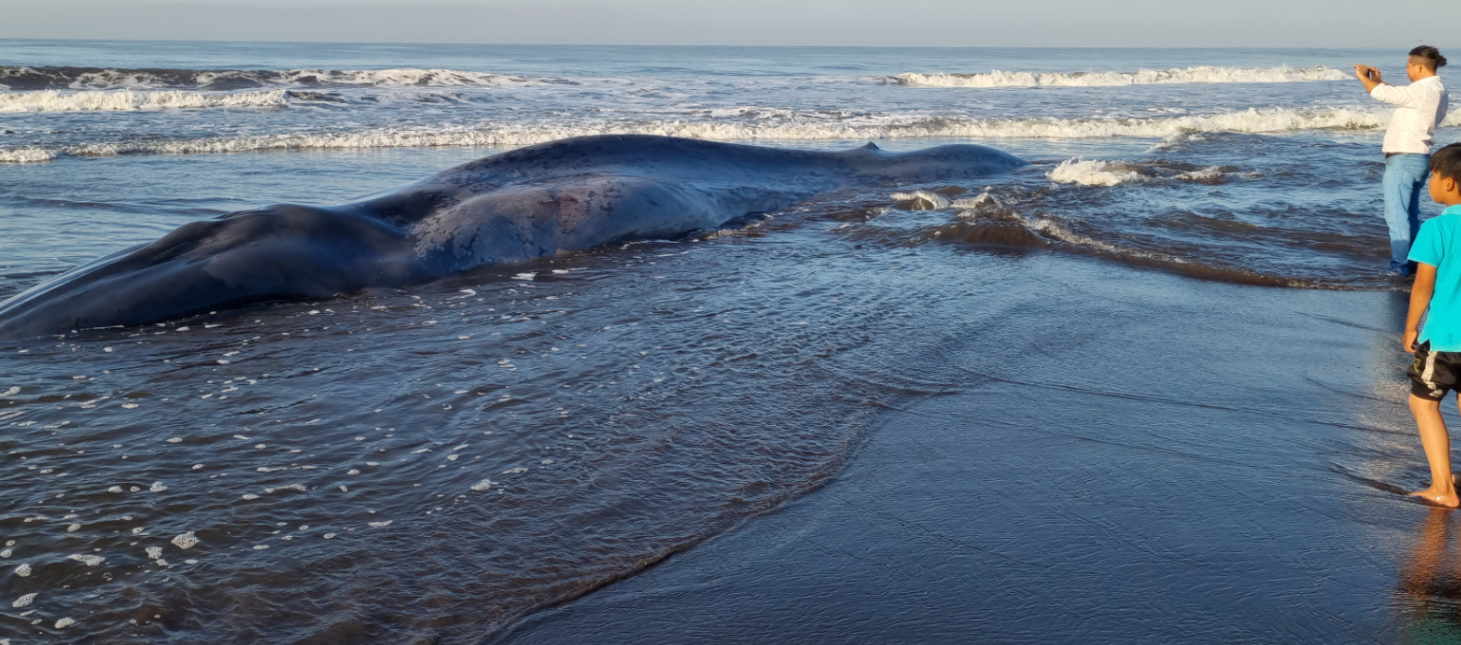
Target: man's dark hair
{"type": "Point", "coordinates": [1447, 162]}
{"type": "Point", "coordinates": [1429, 56]}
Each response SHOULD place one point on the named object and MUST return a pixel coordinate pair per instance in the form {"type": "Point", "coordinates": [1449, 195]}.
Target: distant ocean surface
{"type": "Point", "coordinates": [1261, 161]}
{"type": "Point", "coordinates": [431, 464]}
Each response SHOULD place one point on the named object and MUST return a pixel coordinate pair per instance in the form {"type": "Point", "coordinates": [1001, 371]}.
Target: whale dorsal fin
{"type": "Point", "coordinates": [871, 147]}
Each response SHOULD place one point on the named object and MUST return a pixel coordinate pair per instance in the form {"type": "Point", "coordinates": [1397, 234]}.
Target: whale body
{"type": "Point", "coordinates": [566, 195]}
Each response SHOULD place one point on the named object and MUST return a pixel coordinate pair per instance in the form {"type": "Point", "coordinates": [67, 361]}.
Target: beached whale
{"type": "Point", "coordinates": [532, 202]}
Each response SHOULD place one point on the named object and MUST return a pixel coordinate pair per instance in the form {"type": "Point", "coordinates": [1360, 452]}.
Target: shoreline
{"type": "Point", "coordinates": [1168, 460]}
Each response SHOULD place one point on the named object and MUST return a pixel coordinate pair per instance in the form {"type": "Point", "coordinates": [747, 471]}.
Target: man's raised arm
{"type": "Point", "coordinates": [1400, 96]}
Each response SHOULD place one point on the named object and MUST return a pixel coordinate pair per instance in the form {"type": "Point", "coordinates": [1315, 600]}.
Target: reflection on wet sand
{"type": "Point", "coordinates": [1428, 596]}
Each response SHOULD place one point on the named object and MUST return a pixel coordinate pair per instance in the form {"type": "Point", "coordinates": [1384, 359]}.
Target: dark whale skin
{"type": "Point", "coordinates": [566, 195]}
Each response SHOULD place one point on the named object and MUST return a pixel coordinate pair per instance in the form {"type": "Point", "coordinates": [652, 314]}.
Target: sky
{"type": "Point", "coordinates": [942, 23]}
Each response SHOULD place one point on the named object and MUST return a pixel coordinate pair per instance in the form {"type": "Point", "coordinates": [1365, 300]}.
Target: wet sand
{"type": "Point", "coordinates": [1130, 457]}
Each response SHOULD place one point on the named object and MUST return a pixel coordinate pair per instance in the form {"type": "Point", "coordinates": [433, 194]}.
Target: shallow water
{"type": "Point", "coordinates": [431, 464]}
{"type": "Point", "coordinates": [1132, 458]}
{"type": "Point", "coordinates": [441, 460]}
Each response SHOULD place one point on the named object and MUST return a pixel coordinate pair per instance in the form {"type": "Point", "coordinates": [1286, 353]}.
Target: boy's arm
{"type": "Point", "coordinates": [1420, 299]}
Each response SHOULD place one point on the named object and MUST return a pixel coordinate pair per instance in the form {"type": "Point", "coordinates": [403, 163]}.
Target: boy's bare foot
{"type": "Point", "coordinates": [1444, 499]}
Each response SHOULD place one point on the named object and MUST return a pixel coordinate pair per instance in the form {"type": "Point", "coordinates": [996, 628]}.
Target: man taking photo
{"type": "Point", "coordinates": [1420, 107]}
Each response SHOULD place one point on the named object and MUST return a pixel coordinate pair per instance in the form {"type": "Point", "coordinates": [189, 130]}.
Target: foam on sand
{"type": "Point", "coordinates": [1204, 74]}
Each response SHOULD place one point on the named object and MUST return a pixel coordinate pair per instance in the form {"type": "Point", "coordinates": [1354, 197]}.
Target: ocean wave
{"type": "Point", "coordinates": [984, 221]}
{"type": "Point", "coordinates": [1247, 121]}
{"type": "Point", "coordinates": [128, 100]}
{"type": "Point", "coordinates": [134, 100]}
{"type": "Point", "coordinates": [921, 200]}
{"type": "Point", "coordinates": [1095, 173]}
{"type": "Point", "coordinates": [1055, 231]}
{"type": "Point", "coordinates": [30, 154]}
{"type": "Point", "coordinates": [17, 78]}
{"type": "Point", "coordinates": [1205, 74]}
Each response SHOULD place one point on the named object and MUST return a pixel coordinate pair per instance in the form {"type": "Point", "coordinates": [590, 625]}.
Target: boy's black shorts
{"type": "Point", "coordinates": [1433, 374]}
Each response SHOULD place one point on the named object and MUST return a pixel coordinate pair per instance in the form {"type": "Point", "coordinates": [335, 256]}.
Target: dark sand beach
{"type": "Point", "coordinates": [1130, 457]}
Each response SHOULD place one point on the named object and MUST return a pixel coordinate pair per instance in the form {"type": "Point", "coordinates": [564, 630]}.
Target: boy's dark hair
{"type": "Point", "coordinates": [1447, 162]}
{"type": "Point", "coordinates": [1429, 56]}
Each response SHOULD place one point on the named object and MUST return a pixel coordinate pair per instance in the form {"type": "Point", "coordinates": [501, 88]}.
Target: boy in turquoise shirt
{"type": "Point", "coordinates": [1437, 347]}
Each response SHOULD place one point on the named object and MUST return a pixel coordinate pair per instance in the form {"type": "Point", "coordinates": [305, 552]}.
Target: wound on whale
{"type": "Point", "coordinates": [566, 195]}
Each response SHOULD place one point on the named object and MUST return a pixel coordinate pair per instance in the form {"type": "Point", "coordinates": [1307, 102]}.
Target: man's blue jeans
{"type": "Point", "coordinates": [1405, 177]}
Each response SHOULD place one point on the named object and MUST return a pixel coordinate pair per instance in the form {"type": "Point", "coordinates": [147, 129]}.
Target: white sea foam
{"type": "Point", "coordinates": [1054, 230]}
{"type": "Point", "coordinates": [1114, 173]}
{"type": "Point", "coordinates": [1204, 74]}
{"type": "Point", "coordinates": [88, 560]}
{"type": "Point", "coordinates": [1277, 120]}
{"type": "Point", "coordinates": [185, 541]}
{"type": "Point", "coordinates": [923, 200]}
{"type": "Point", "coordinates": [130, 101]}
{"type": "Point", "coordinates": [401, 77]}
{"type": "Point", "coordinates": [981, 200]}
{"type": "Point", "coordinates": [110, 79]}
{"type": "Point", "coordinates": [1094, 173]}
{"type": "Point", "coordinates": [27, 155]}
{"type": "Point", "coordinates": [24, 601]}
{"type": "Point", "coordinates": [1206, 174]}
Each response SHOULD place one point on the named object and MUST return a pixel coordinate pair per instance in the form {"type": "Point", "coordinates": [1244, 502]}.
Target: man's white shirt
{"type": "Point", "coordinates": [1420, 107]}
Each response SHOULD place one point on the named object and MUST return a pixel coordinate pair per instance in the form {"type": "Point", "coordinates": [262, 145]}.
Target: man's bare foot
{"type": "Point", "coordinates": [1442, 498]}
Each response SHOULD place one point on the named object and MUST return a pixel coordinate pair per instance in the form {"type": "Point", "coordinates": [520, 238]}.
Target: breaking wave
{"type": "Point", "coordinates": [497, 136]}
{"type": "Point", "coordinates": [1205, 74]}
{"type": "Point", "coordinates": [134, 100]}
{"type": "Point", "coordinates": [98, 78]}
{"type": "Point", "coordinates": [128, 100]}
